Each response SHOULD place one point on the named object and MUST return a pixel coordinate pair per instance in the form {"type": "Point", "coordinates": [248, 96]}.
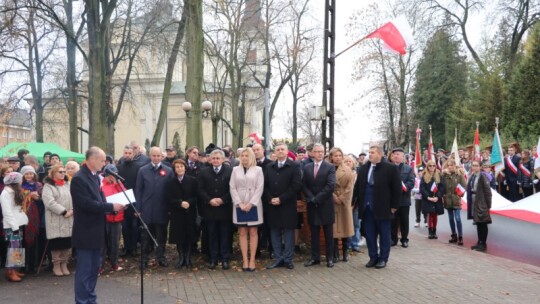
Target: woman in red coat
{"type": "Point", "coordinates": [110, 185]}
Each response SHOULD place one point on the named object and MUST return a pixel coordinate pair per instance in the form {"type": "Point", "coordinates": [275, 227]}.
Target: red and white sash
{"type": "Point", "coordinates": [524, 170]}
{"type": "Point", "coordinates": [511, 165]}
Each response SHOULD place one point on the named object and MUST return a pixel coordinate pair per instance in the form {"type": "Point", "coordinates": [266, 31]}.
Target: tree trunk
{"type": "Point", "coordinates": [71, 79]}
{"type": "Point", "coordinates": [98, 31]}
{"type": "Point", "coordinates": [168, 78]}
{"type": "Point", "coordinates": [195, 67]}
{"type": "Point", "coordinates": [35, 75]}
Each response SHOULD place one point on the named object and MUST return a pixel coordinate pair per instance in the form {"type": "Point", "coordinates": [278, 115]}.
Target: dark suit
{"type": "Point", "coordinates": [130, 226]}
{"type": "Point", "coordinates": [88, 235]}
{"type": "Point", "coordinates": [283, 183]}
{"type": "Point", "coordinates": [152, 204]}
{"type": "Point", "coordinates": [318, 193]}
{"type": "Point", "coordinates": [264, 231]}
{"type": "Point", "coordinates": [374, 203]}
{"type": "Point", "coordinates": [218, 219]}
{"type": "Point", "coordinates": [511, 178]}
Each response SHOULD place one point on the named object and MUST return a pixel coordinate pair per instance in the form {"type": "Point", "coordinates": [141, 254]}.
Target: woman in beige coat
{"type": "Point", "coordinates": [246, 186]}
{"type": "Point", "coordinates": [343, 224]}
{"type": "Point", "coordinates": [58, 217]}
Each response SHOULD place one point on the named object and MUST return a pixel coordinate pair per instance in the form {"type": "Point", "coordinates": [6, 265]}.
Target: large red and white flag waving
{"type": "Point", "coordinates": [477, 154]}
{"type": "Point", "coordinates": [255, 137]}
{"type": "Point", "coordinates": [396, 35]}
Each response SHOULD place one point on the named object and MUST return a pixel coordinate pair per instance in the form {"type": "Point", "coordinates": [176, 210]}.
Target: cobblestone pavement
{"type": "Point", "coordinates": [429, 271]}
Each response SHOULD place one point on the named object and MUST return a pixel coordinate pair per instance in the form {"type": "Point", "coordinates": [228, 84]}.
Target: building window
{"type": "Point", "coordinates": [10, 133]}
{"type": "Point", "coordinates": [4, 134]}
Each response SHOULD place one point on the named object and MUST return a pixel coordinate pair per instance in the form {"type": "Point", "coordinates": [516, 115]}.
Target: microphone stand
{"type": "Point", "coordinates": [142, 228]}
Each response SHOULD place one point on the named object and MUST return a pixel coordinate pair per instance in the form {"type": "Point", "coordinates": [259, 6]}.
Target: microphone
{"type": "Point", "coordinates": [110, 172]}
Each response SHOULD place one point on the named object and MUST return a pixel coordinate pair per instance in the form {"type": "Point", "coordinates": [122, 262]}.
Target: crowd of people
{"type": "Point", "coordinates": [199, 202]}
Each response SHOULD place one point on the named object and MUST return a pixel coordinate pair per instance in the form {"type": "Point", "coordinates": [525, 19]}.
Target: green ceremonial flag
{"type": "Point", "coordinates": [496, 154]}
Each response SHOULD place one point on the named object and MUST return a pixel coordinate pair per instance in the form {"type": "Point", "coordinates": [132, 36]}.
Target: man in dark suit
{"type": "Point", "coordinates": [194, 166]}
{"type": "Point", "coordinates": [282, 181]}
{"type": "Point", "coordinates": [319, 181]}
{"type": "Point", "coordinates": [151, 199]}
{"type": "Point", "coordinates": [129, 169]}
{"type": "Point", "coordinates": [88, 236]}
{"type": "Point", "coordinates": [378, 193]}
{"type": "Point", "coordinates": [216, 204]}
{"type": "Point", "coordinates": [511, 168]}
{"type": "Point", "coordinates": [401, 217]}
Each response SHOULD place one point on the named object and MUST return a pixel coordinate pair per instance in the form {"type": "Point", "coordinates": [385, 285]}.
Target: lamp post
{"type": "Point", "coordinates": [206, 107]}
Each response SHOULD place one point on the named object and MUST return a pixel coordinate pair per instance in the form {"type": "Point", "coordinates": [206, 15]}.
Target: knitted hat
{"type": "Point", "coordinates": [27, 169]}
{"type": "Point", "coordinates": [13, 178]}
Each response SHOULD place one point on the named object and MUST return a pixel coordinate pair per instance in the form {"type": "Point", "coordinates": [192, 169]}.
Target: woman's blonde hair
{"type": "Point", "coordinates": [334, 151]}
{"type": "Point", "coordinates": [428, 175]}
{"type": "Point", "coordinates": [251, 156]}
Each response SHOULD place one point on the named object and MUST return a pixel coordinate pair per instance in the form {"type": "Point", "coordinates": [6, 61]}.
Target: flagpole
{"type": "Point", "coordinates": [351, 46]}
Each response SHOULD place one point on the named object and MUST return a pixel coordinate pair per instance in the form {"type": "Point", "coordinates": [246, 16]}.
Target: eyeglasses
{"type": "Point", "coordinates": [62, 172]}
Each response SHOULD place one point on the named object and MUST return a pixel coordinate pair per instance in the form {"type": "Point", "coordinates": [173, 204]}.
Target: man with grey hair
{"type": "Point", "coordinates": [151, 202]}
{"type": "Point", "coordinates": [319, 181]}
{"type": "Point", "coordinates": [89, 207]}
{"type": "Point", "coordinates": [216, 205]}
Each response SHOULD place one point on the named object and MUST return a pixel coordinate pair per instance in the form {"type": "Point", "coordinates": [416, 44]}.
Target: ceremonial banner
{"type": "Point", "coordinates": [496, 154]}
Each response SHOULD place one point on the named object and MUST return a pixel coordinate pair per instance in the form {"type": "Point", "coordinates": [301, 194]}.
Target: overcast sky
{"type": "Point", "coordinates": [358, 128]}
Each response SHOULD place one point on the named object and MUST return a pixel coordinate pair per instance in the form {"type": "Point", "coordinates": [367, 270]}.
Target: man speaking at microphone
{"type": "Point", "coordinates": [89, 208]}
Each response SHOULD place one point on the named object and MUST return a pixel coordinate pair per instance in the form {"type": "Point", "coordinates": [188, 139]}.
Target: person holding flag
{"type": "Point", "coordinates": [432, 190]}
{"type": "Point", "coordinates": [511, 164]}
{"type": "Point", "coordinates": [454, 183]}
{"type": "Point", "coordinates": [401, 216]}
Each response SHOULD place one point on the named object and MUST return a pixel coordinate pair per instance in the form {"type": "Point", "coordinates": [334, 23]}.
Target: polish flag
{"type": "Point", "coordinates": [431, 150]}
{"type": "Point", "coordinates": [434, 189]}
{"type": "Point", "coordinates": [477, 155]}
{"type": "Point", "coordinates": [538, 149]}
{"type": "Point", "coordinates": [255, 137]}
{"type": "Point", "coordinates": [460, 190]}
{"type": "Point", "coordinates": [396, 35]}
{"type": "Point", "coordinates": [417, 155]}
{"type": "Point", "coordinates": [403, 187]}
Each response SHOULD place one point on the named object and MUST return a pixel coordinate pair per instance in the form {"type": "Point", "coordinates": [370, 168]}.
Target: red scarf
{"type": "Point", "coordinates": [59, 182]}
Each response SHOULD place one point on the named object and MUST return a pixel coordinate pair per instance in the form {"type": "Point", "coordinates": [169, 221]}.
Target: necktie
{"type": "Point", "coordinates": [191, 165]}
{"type": "Point", "coordinates": [370, 178]}
{"type": "Point", "coordinates": [216, 169]}
{"type": "Point", "coordinates": [316, 170]}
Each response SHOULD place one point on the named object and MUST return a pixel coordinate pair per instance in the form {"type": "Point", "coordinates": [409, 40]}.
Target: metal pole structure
{"type": "Point", "coordinates": [267, 120]}
{"type": "Point", "coordinates": [329, 72]}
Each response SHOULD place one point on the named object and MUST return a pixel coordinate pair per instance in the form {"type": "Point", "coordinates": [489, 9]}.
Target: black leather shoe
{"type": "Point", "coordinates": [330, 264]}
{"type": "Point", "coordinates": [225, 265]}
{"type": "Point", "coordinates": [380, 264]}
{"type": "Point", "coordinates": [275, 265]}
{"type": "Point", "coordinates": [311, 263]}
{"type": "Point", "coordinates": [371, 263]}
{"type": "Point", "coordinates": [394, 243]}
{"type": "Point", "coordinates": [405, 244]}
{"type": "Point", "coordinates": [212, 265]}
{"type": "Point", "coordinates": [163, 263]}
{"type": "Point", "coordinates": [289, 265]}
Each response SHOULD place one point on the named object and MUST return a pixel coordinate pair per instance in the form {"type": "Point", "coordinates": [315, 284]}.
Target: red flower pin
{"type": "Point", "coordinates": [162, 172]}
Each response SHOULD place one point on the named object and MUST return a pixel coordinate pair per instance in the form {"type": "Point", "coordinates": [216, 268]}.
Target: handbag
{"type": "Point", "coordinates": [15, 254]}
{"type": "Point", "coordinates": [250, 216]}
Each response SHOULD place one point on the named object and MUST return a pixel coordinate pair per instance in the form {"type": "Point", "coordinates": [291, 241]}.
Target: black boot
{"type": "Point", "coordinates": [335, 259]}
{"type": "Point", "coordinates": [181, 259]}
{"type": "Point", "coordinates": [435, 233]}
{"type": "Point", "coordinates": [187, 260]}
{"type": "Point", "coordinates": [453, 238]}
{"type": "Point", "coordinates": [460, 241]}
{"type": "Point", "coordinates": [345, 246]}
{"type": "Point", "coordinates": [430, 236]}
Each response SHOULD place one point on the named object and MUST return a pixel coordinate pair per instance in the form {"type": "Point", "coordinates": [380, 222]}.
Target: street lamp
{"type": "Point", "coordinates": [206, 108]}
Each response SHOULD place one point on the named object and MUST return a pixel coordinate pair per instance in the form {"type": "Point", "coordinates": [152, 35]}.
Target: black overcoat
{"type": "Point", "coordinates": [284, 182]}
{"type": "Point", "coordinates": [182, 226]}
{"type": "Point", "coordinates": [89, 209]}
{"type": "Point", "coordinates": [387, 188]}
